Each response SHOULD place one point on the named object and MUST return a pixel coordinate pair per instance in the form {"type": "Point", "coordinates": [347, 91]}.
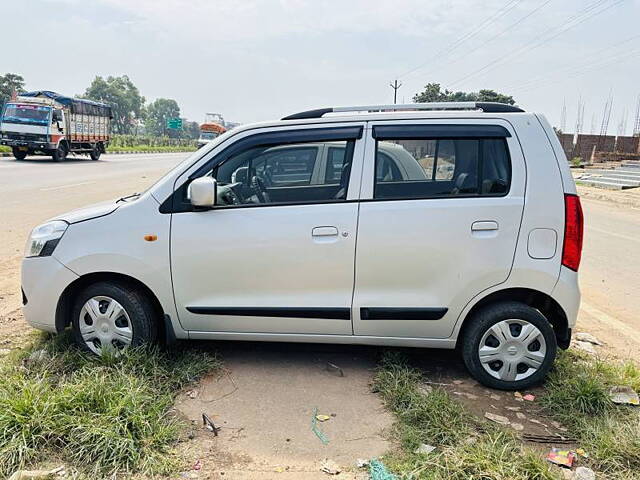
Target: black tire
{"type": "Point", "coordinates": [137, 305]}
{"type": "Point", "coordinates": [95, 153]}
{"type": "Point", "coordinates": [19, 154]}
{"type": "Point", "coordinates": [489, 316]}
{"type": "Point", "coordinates": [60, 153]}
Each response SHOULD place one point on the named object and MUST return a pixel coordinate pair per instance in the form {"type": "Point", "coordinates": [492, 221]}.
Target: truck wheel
{"type": "Point", "coordinates": [112, 316]}
{"type": "Point", "coordinates": [509, 346]}
{"type": "Point", "coordinates": [19, 154]}
{"type": "Point", "coordinates": [95, 153]}
{"type": "Point", "coordinates": [60, 153]}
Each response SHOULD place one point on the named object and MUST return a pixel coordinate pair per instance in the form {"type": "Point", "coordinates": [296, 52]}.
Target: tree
{"type": "Point", "coordinates": [433, 93]}
{"type": "Point", "coordinates": [124, 98]}
{"type": "Point", "coordinates": [158, 112]}
{"type": "Point", "coordinates": [10, 83]}
{"type": "Point", "coordinates": [190, 129]}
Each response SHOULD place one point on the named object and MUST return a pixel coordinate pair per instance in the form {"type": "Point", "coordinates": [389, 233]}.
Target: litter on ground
{"type": "Point", "coordinates": [322, 418]}
{"type": "Point", "coordinates": [334, 369]}
{"type": "Point", "coordinates": [424, 449]}
{"type": "Point", "coordinates": [314, 428]}
{"type": "Point", "coordinates": [587, 337]}
{"type": "Point", "coordinates": [584, 473]}
{"type": "Point", "coordinates": [377, 471]}
{"type": "Point", "coordinates": [209, 425]}
{"type": "Point", "coordinates": [37, 474]}
{"type": "Point", "coordinates": [623, 395]}
{"type": "Point", "coordinates": [330, 467]}
{"type": "Point", "coordinates": [564, 458]}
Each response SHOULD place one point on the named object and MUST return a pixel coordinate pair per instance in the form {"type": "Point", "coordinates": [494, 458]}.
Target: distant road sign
{"type": "Point", "coordinates": [174, 123]}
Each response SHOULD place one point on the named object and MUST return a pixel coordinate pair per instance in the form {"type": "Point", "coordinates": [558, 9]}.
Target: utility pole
{"type": "Point", "coordinates": [563, 117]}
{"type": "Point", "coordinates": [395, 85]}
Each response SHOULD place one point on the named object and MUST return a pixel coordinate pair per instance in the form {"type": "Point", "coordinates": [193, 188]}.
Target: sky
{"type": "Point", "coordinates": [254, 60]}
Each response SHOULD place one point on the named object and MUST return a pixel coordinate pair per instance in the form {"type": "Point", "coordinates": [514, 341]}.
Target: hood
{"type": "Point", "coordinates": [87, 213]}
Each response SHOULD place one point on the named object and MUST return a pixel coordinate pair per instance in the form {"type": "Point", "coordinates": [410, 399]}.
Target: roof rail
{"type": "Point", "coordinates": [488, 107]}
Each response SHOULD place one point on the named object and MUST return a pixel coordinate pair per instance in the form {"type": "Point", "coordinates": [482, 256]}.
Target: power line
{"type": "Point", "coordinates": [589, 57]}
{"type": "Point", "coordinates": [614, 60]}
{"type": "Point", "coordinates": [585, 14]}
{"type": "Point", "coordinates": [488, 21]}
{"type": "Point", "coordinates": [499, 34]}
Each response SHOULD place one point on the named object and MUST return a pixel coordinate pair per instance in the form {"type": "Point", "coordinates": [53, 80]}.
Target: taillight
{"type": "Point", "coordinates": [573, 232]}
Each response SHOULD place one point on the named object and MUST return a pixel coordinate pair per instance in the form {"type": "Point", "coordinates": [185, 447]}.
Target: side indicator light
{"type": "Point", "coordinates": [150, 238]}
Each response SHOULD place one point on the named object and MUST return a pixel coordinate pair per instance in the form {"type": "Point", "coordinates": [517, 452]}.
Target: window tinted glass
{"type": "Point", "coordinates": [442, 168]}
{"type": "Point", "coordinates": [335, 162]}
{"type": "Point", "coordinates": [290, 173]}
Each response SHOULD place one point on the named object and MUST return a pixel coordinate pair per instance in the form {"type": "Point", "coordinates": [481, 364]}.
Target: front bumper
{"type": "Point", "coordinates": [43, 281]}
{"type": "Point", "coordinates": [28, 144]}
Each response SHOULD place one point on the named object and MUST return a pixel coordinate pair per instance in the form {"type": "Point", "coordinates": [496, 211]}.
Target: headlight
{"type": "Point", "coordinates": [44, 238]}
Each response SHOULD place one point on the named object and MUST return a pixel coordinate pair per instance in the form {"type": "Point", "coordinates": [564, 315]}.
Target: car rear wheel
{"type": "Point", "coordinates": [111, 317]}
{"type": "Point", "coordinates": [509, 346]}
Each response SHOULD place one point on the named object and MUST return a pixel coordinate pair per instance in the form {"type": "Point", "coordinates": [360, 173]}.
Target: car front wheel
{"type": "Point", "coordinates": [509, 346]}
{"type": "Point", "coordinates": [111, 317]}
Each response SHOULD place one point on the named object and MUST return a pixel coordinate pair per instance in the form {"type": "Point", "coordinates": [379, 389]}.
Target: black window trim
{"type": "Point", "coordinates": [176, 203]}
{"type": "Point", "coordinates": [449, 196]}
{"type": "Point", "coordinates": [438, 132]}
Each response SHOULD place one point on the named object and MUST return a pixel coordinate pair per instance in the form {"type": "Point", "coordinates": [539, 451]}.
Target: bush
{"type": "Point", "coordinates": [102, 415]}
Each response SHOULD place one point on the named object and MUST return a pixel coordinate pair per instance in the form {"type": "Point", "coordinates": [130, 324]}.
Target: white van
{"type": "Point", "coordinates": [427, 225]}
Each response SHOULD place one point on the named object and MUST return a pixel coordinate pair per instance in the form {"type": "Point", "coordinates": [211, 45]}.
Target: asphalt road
{"type": "Point", "coordinates": [36, 189]}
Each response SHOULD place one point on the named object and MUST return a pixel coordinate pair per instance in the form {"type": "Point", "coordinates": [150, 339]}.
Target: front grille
{"type": "Point", "coordinates": [29, 137]}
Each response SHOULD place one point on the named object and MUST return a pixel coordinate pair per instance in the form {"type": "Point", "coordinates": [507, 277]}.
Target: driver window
{"type": "Point", "coordinates": [282, 174]}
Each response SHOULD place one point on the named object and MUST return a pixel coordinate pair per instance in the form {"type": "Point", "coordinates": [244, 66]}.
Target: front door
{"type": "Point", "coordinates": [276, 255]}
{"type": "Point", "coordinates": [440, 225]}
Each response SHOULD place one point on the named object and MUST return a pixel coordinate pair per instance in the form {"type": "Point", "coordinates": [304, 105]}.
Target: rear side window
{"type": "Point", "coordinates": [442, 167]}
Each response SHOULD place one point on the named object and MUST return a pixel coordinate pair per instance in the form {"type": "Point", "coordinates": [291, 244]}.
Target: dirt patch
{"type": "Point", "coordinates": [623, 198]}
{"type": "Point", "coordinates": [264, 405]}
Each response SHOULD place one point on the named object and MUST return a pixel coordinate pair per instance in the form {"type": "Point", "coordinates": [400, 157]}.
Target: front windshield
{"type": "Point", "coordinates": [208, 135]}
{"type": "Point", "coordinates": [29, 114]}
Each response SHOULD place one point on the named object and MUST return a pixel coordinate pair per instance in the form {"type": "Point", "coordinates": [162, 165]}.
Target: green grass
{"type": "Point", "coordinates": [5, 149]}
{"type": "Point", "coordinates": [468, 448]}
{"type": "Point", "coordinates": [100, 415]}
{"type": "Point", "coordinates": [577, 395]}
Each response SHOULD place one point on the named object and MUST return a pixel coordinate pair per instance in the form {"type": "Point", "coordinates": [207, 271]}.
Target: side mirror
{"type": "Point", "coordinates": [57, 116]}
{"type": "Point", "coordinates": [203, 192]}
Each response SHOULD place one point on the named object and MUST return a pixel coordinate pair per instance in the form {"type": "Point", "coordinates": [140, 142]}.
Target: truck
{"type": "Point", "coordinates": [47, 123]}
{"type": "Point", "coordinates": [213, 126]}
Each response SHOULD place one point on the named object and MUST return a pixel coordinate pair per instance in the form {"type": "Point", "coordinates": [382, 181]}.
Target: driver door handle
{"type": "Point", "coordinates": [324, 232]}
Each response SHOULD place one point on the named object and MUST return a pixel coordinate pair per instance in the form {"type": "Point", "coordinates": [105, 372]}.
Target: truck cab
{"type": "Point", "coordinates": [28, 127]}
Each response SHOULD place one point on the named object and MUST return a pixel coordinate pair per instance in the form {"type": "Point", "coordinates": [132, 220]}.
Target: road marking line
{"type": "Point", "coordinates": [619, 235]}
{"type": "Point", "coordinates": [48, 189]}
{"type": "Point", "coordinates": [614, 323]}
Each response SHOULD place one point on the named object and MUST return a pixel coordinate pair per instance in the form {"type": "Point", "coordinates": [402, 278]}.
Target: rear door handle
{"type": "Point", "coordinates": [324, 232]}
{"type": "Point", "coordinates": [484, 226]}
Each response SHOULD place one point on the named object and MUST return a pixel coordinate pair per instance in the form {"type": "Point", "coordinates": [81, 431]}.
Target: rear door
{"type": "Point", "coordinates": [437, 225]}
